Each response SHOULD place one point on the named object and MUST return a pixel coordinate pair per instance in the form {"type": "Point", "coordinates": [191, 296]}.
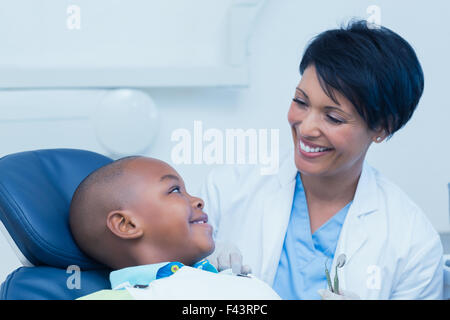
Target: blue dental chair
{"type": "Point", "coordinates": [36, 188]}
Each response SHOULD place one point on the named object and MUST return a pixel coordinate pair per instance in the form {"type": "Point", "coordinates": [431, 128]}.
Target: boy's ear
{"type": "Point", "coordinates": [122, 224]}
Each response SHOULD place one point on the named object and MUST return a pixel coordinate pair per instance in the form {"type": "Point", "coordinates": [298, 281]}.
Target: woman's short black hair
{"type": "Point", "coordinates": [373, 67]}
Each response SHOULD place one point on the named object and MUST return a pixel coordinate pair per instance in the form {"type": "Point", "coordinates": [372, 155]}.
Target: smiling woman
{"type": "Point", "coordinates": [331, 137]}
{"type": "Point", "coordinates": [360, 84]}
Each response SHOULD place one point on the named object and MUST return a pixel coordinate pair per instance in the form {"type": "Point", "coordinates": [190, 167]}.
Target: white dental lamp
{"type": "Point", "coordinates": [125, 122]}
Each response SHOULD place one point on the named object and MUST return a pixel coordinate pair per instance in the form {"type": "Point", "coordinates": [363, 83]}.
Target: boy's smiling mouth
{"type": "Point", "coordinates": [202, 219]}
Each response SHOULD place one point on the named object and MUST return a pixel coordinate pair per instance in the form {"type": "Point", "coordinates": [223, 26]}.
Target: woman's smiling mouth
{"type": "Point", "coordinates": [310, 150]}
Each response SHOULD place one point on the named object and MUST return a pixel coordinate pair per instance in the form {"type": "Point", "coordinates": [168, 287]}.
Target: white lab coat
{"type": "Point", "coordinates": [392, 250]}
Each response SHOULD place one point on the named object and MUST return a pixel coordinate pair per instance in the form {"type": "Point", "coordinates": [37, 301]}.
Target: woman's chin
{"type": "Point", "coordinates": [308, 168]}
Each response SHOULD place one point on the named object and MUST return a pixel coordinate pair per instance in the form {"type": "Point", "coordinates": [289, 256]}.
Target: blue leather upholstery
{"type": "Point", "coordinates": [36, 188]}
{"type": "Point", "coordinates": [38, 283]}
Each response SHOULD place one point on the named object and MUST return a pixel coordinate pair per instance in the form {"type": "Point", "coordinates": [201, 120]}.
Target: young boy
{"type": "Point", "coordinates": [135, 216]}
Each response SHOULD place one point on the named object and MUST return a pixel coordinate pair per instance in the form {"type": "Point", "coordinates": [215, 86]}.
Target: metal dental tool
{"type": "Point", "coordinates": [340, 262]}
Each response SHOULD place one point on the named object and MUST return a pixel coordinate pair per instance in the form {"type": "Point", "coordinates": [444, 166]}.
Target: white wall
{"type": "Point", "coordinates": [131, 33]}
{"type": "Point", "coordinates": [417, 158]}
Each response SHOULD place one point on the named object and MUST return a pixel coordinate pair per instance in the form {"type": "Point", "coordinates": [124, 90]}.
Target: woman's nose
{"type": "Point", "coordinates": [309, 126]}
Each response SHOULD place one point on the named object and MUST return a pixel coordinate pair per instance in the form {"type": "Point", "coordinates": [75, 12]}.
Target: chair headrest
{"type": "Point", "coordinates": [36, 189]}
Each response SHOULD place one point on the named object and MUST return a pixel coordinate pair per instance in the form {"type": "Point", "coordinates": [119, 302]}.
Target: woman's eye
{"type": "Point", "coordinates": [299, 102]}
{"type": "Point", "coordinates": [334, 120]}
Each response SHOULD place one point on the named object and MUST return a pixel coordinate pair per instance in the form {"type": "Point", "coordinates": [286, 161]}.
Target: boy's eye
{"type": "Point", "coordinates": [175, 190]}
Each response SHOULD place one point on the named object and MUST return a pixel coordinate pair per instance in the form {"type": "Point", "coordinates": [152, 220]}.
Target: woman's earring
{"type": "Point", "coordinates": [379, 139]}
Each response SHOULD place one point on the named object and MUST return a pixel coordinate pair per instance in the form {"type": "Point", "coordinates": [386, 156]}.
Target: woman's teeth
{"type": "Point", "coordinates": [311, 150]}
{"type": "Point", "coordinates": [198, 222]}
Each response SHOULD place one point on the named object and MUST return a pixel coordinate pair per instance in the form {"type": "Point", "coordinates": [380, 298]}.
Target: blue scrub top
{"type": "Point", "coordinates": [301, 270]}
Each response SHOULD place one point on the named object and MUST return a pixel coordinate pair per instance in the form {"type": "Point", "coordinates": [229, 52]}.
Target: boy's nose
{"type": "Point", "coordinates": [197, 203]}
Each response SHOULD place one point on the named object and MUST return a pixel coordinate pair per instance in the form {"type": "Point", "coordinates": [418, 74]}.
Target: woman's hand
{"type": "Point", "coordinates": [228, 256]}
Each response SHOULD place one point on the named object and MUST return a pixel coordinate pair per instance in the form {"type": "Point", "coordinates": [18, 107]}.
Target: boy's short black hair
{"type": "Point", "coordinates": [373, 67]}
{"type": "Point", "coordinates": [98, 194]}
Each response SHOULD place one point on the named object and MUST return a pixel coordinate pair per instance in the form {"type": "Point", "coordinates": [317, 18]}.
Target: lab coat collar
{"type": "Point", "coordinates": [287, 171]}
{"type": "Point", "coordinates": [365, 200]}
{"type": "Point", "coordinates": [354, 232]}
{"type": "Point", "coordinates": [277, 209]}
